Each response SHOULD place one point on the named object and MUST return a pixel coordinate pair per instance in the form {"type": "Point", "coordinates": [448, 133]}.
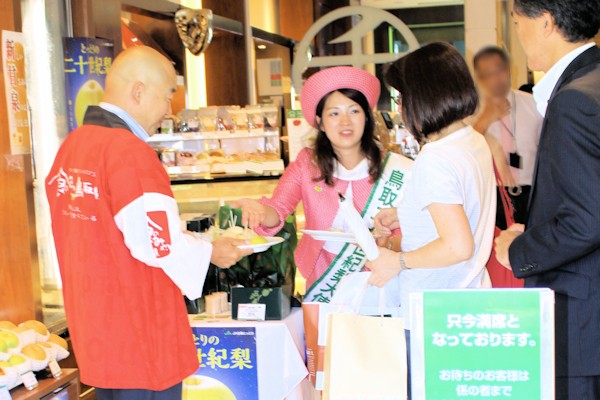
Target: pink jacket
{"type": "Point", "coordinates": [320, 202]}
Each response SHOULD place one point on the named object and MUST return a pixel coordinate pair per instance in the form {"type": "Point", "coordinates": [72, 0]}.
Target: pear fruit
{"type": "Point", "coordinates": [34, 351]}
{"type": "Point", "coordinates": [16, 359]}
{"type": "Point", "coordinates": [258, 240]}
{"type": "Point", "coordinates": [200, 387]}
{"type": "Point", "coordinates": [59, 341]}
{"type": "Point", "coordinates": [11, 339]}
{"type": "Point", "coordinates": [89, 94]}
{"type": "Point", "coordinates": [36, 326]}
{"type": "Point", "coordinates": [7, 325]}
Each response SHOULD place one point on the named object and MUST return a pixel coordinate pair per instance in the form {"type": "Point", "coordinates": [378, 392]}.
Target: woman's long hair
{"type": "Point", "coordinates": [325, 156]}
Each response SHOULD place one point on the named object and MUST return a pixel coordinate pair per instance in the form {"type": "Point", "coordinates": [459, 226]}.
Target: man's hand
{"type": "Point", "coordinates": [493, 110]}
{"type": "Point", "coordinates": [386, 221]}
{"type": "Point", "coordinates": [384, 268]}
{"type": "Point", "coordinates": [503, 243]}
{"type": "Point", "coordinates": [253, 213]}
{"type": "Point", "coordinates": [226, 253]}
{"type": "Point", "coordinates": [496, 108]}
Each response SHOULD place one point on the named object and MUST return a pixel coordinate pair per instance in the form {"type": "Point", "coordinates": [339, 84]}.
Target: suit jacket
{"type": "Point", "coordinates": [560, 248]}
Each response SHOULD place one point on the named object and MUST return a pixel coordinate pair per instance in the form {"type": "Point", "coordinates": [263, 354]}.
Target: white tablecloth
{"type": "Point", "coordinates": [280, 355]}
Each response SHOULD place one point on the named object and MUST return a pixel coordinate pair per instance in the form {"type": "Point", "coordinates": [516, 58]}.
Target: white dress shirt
{"type": "Point", "coordinates": [519, 133]}
{"type": "Point", "coordinates": [543, 90]}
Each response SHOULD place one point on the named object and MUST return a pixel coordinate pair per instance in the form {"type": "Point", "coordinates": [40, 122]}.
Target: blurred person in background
{"type": "Point", "coordinates": [511, 124]}
{"type": "Point", "coordinates": [560, 246]}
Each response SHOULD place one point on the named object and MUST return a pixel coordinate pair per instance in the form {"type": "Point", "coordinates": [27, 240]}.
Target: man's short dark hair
{"type": "Point", "coordinates": [436, 88]}
{"type": "Point", "coordinates": [491, 51]}
{"type": "Point", "coordinates": [578, 20]}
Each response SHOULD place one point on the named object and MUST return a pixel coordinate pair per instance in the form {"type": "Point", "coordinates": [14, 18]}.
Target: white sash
{"type": "Point", "coordinates": [385, 194]}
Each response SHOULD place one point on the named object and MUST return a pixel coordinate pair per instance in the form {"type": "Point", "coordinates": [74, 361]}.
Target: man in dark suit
{"type": "Point", "coordinates": [560, 246]}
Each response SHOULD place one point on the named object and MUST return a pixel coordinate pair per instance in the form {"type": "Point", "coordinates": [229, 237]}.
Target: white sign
{"type": "Point", "coordinates": [371, 18]}
{"type": "Point", "coordinates": [251, 312]}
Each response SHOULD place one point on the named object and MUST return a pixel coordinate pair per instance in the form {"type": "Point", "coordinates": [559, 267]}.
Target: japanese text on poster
{"type": "Point", "coordinates": [87, 62]}
{"type": "Point", "coordinates": [13, 57]}
{"type": "Point", "coordinates": [228, 366]}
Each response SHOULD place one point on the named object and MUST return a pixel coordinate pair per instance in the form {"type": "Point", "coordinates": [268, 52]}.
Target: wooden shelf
{"type": "Point", "coordinates": [70, 376]}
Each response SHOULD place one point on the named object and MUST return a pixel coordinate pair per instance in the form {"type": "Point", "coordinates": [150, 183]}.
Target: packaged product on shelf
{"type": "Point", "coordinates": [167, 125]}
{"type": "Point", "coordinates": [255, 117]}
{"type": "Point", "coordinates": [168, 157]}
{"type": "Point", "coordinates": [224, 122]}
{"type": "Point", "coordinates": [189, 121]}
{"type": "Point", "coordinates": [271, 117]}
{"type": "Point", "coordinates": [208, 119]}
{"type": "Point", "coordinates": [186, 157]}
{"type": "Point", "coordinates": [239, 119]}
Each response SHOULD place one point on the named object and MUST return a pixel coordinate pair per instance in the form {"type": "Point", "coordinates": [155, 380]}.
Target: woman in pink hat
{"type": "Point", "coordinates": [345, 158]}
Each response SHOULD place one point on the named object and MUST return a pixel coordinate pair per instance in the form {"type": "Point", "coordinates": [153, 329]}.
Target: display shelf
{"type": "Point", "coordinates": [68, 381]}
{"type": "Point", "coordinates": [182, 179]}
{"type": "Point", "coordinates": [219, 135]}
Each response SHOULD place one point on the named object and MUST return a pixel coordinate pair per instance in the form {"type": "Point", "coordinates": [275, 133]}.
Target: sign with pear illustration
{"type": "Point", "coordinates": [87, 60]}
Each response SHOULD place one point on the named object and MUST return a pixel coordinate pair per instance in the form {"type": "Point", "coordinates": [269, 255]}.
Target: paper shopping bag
{"type": "Point", "coordinates": [365, 358]}
{"type": "Point", "coordinates": [314, 315]}
{"type": "Point", "coordinates": [352, 291]}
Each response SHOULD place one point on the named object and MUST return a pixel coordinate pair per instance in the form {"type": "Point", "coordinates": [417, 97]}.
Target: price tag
{"type": "Point", "coordinates": [251, 312]}
{"type": "Point", "coordinates": [4, 393]}
{"type": "Point", "coordinates": [29, 380]}
{"type": "Point", "coordinates": [54, 368]}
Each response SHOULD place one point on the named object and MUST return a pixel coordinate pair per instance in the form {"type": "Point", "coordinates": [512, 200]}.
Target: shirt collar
{"type": "Point", "coordinates": [361, 171]}
{"type": "Point", "coordinates": [135, 127]}
{"type": "Point", "coordinates": [543, 90]}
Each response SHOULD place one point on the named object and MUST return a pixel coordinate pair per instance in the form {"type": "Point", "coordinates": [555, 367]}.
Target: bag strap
{"type": "Point", "coordinates": [506, 203]}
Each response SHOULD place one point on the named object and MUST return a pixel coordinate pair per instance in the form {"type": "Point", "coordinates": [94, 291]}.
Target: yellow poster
{"type": "Point", "coordinates": [13, 62]}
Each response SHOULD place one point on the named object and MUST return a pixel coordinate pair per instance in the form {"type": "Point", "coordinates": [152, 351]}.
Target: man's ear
{"type": "Point", "coordinates": [548, 23]}
{"type": "Point", "coordinates": [137, 91]}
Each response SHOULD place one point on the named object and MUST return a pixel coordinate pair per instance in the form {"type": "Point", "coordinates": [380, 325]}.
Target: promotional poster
{"type": "Point", "coordinates": [87, 61]}
{"type": "Point", "coordinates": [228, 368]}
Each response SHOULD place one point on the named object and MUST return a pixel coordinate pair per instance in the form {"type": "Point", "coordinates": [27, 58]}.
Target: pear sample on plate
{"type": "Point", "coordinates": [259, 240]}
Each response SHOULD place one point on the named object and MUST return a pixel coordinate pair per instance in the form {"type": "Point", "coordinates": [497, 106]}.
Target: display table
{"type": "Point", "coordinates": [66, 387]}
{"type": "Point", "coordinates": [279, 353]}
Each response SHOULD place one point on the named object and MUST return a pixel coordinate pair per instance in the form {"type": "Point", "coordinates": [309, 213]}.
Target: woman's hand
{"type": "Point", "coordinates": [384, 268]}
{"type": "Point", "coordinates": [386, 221]}
{"type": "Point", "coordinates": [253, 213]}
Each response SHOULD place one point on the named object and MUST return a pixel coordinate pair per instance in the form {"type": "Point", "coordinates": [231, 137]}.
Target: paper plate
{"type": "Point", "coordinates": [259, 248]}
{"type": "Point", "coordinates": [329, 236]}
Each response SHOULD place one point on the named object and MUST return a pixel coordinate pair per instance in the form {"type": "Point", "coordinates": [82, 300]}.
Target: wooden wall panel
{"type": "Point", "coordinates": [296, 17]}
{"type": "Point", "coordinates": [19, 272]}
{"type": "Point", "coordinates": [233, 9]}
{"type": "Point", "coordinates": [225, 59]}
{"type": "Point", "coordinates": [225, 64]}
{"type": "Point", "coordinates": [101, 19]}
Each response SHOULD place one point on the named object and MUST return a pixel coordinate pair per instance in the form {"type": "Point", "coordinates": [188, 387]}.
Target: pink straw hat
{"type": "Point", "coordinates": [331, 79]}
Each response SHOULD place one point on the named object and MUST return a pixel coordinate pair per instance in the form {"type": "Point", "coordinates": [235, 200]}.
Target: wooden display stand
{"type": "Point", "coordinates": [47, 386]}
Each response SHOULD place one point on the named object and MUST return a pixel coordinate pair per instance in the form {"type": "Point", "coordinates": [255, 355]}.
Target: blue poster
{"type": "Point", "coordinates": [228, 369]}
{"type": "Point", "coordinates": [87, 61]}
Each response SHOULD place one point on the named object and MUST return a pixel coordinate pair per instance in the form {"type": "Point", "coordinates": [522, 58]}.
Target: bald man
{"type": "Point", "coordinates": [123, 260]}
